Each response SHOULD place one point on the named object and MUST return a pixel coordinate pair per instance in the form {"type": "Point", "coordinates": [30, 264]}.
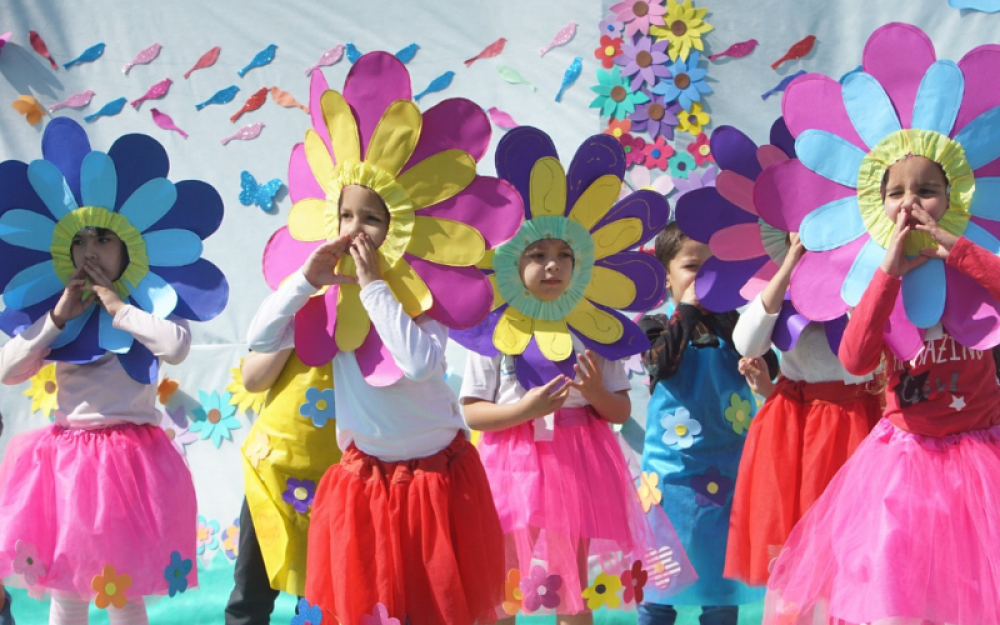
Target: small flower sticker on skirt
{"type": "Point", "coordinates": [177, 572]}
{"type": "Point", "coordinates": [309, 614]}
{"type": "Point", "coordinates": [26, 562]}
{"type": "Point", "coordinates": [603, 592]}
{"type": "Point", "coordinates": [738, 413]}
{"type": "Point", "coordinates": [541, 590]}
{"type": "Point", "coordinates": [379, 616]}
{"type": "Point", "coordinates": [512, 594]}
{"type": "Point", "coordinates": [111, 587]}
{"type": "Point", "coordinates": [299, 494]}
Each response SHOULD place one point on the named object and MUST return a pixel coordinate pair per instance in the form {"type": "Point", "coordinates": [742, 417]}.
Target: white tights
{"type": "Point", "coordinates": [71, 611]}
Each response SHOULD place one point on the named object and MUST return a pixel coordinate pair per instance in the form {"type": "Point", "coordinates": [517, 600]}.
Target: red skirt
{"type": "Point", "coordinates": [796, 444]}
{"type": "Point", "coordinates": [420, 536]}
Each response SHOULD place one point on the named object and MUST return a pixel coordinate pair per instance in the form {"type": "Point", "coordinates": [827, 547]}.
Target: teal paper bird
{"type": "Point", "coordinates": [111, 108]}
{"type": "Point", "coordinates": [406, 54]}
{"type": "Point", "coordinates": [787, 80]}
{"type": "Point", "coordinates": [438, 84]}
{"type": "Point", "coordinates": [92, 53]}
{"type": "Point", "coordinates": [353, 54]}
{"type": "Point", "coordinates": [572, 73]}
{"type": "Point", "coordinates": [222, 96]}
{"type": "Point", "coordinates": [261, 59]}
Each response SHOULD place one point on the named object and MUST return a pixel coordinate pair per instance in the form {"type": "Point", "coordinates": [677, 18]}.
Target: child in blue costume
{"type": "Point", "coordinates": [697, 419]}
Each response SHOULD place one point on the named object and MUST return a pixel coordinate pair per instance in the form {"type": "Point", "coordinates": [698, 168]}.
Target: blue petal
{"type": "Point", "coordinates": [49, 184]}
{"type": "Point", "coordinates": [981, 138]}
{"type": "Point", "coordinates": [111, 338]}
{"type": "Point", "coordinates": [32, 285]}
{"type": "Point", "coordinates": [986, 201]}
{"type": "Point", "coordinates": [697, 74]}
{"type": "Point", "coordinates": [27, 229]}
{"type": "Point", "coordinates": [64, 144]}
{"type": "Point", "coordinates": [98, 181]}
{"type": "Point", "coordinates": [832, 225]}
{"type": "Point", "coordinates": [830, 156]}
{"type": "Point", "coordinates": [201, 288]}
{"type": "Point", "coordinates": [155, 296]}
{"type": "Point", "coordinates": [869, 108]}
{"type": "Point", "coordinates": [924, 292]}
{"type": "Point", "coordinates": [149, 203]}
{"type": "Point", "coordinates": [140, 364]}
{"type": "Point", "coordinates": [861, 272]}
{"type": "Point", "coordinates": [172, 248]}
{"type": "Point", "coordinates": [667, 89]}
{"type": "Point", "coordinates": [72, 329]}
{"type": "Point", "coordinates": [939, 97]}
{"type": "Point", "coordinates": [981, 237]}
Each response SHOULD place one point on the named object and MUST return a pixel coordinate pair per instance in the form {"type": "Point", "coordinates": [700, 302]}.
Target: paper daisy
{"type": "Point", "coordinates": [44, 391]}
{"type": "Point", "coordinates": [216, 418]}
{"type": "Point", "coordinates": [683, 25]}
{"type": "Point", "coordinates": [615, 96]}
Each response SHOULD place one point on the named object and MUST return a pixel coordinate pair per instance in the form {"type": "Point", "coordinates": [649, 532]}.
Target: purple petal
{"type": "Point", "coordinates": [453, 124]}
{"type": "Point", "coordinates": [64, 144]}
{"type": "Point", "coordinates": [314, 330]}
{"type": "Point", "coordinates": [479, 339]}
{"type": "Point", "coordinates": [517, 153]}
{"type": "Point", "coordinates": [835, 332]}
{"type": "Point", "coordinates": [649, 207]}
{"type": "Point", "coordinates": [597, 156]}
{"type": "Point", "coordinates": [198, 208]}
{"type": "Point", "coordinates": [139, 363]}
{"type": "Point", "coordinates": [202, 289]}
{"type": "Point", "coordinates": [646, 272]}
{"type": "Point", "coordinates": [444, 282]}
{"type": "Point", "coordinates": [633, 340]}
{"type": "Point", "coordinates": [788, 326]}
{"type": "Point", "coordinates": [735, 151]}
{"type": "Point", "coordinates": [534, 369]}
{"type": "Point", "coordinates": [702, 212]}
{"type": "Point", "coordinates": [719, 282]}
{"type": "Point", "coordinates": [782, 138]}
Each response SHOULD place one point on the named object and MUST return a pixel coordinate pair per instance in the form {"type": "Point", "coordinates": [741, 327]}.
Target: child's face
{"type": "Point", "coordinates": [100, 247]}
{"type": "Point", "coordinates": [362, 210]}
{"type": "Point", "coordinates": [915, 181]}
{"type": "Point", "coordinates": [546, 268]}
{"type": "Point", "coordinates": [682, 269]}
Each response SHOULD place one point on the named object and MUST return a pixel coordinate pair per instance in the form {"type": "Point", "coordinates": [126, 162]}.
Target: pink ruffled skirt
{"type": "Point", "coordinates": [906, 533]}
{"type": "Point", "coordinates": [74, 501]}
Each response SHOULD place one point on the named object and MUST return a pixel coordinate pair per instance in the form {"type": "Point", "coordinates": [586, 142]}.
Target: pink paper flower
{"type": "Point", "coordinates": [639, 15]}
{"type": "Point", "coordinates": [26, 562]}
{"type": "Point", "coordinates": [657, 154]}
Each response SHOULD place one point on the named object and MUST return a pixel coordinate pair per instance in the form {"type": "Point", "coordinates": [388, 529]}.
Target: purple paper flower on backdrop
{"type": "Point", "coordinates": [686, 82]}
{"type": "Point", "coordinates": [645, 61]}
{"type": "Point", "coordinates": [299, 494]}
{"type": "Point", "coordinates": [656, 117]}
{"type": "Point", "coordinates": [642, 178]}
{"type": "Point", "coordinates": [712, 488]}
{"type": "Point", "coordinates": [176, 425]}
{"type": "Point", "coordinates": [611, 27]}
{"type": "Point", "coordinates": [695, 180]}
{"type": "Point", "coordinates": [540, 590]}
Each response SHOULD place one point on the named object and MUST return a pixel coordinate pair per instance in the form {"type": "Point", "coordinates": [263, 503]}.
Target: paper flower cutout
{"type": "Point", "coordinates": [44, 391]}
{"type": "Point", "coordinates": [610, 48]}
{"type": "Point", "coordinates": [611, 27]}
{"type": "Point", "coordinates": [165, 389]}
{"type": "Point", "coordinates": [178, 429]}
{"type": "Point", "coordinates": [638, 15]}
{"type": "Point", "coordinates": [29, 107]}
{"type": "Point", "coordinates": [208, 534]}
{"type": "Point", "coordinates": [649, 491]}
{"type": "Point", "coordinates": [26, 562]}
{"type": "Point", "coordinates": [318, 406]}
{"type": "Point", "coordinates": [657, 154]}
{"type": "Point", "coordinates": [231, 540]}
{"type": "Point", "coordinates": [693, 120]}
{"type": "Point", "coordinates": [633, 581]}
{"type": "Point", "coordinates": [679, 429]}
{"type": "Point", "coordinates": [635, 149]}
{"type": "Point", "coordinates": [309, 614]}
{"type": "Point", "coordinates": [243, 399]}
{"type": "Point", "coordinates": [904, 102]}
{"type": "Point", "coordinates": [379, 616]}
{"type": "Point", "coordinates": [686, 82]}
{"type": "Point", "coordinates": [695, 180]}
{"type": "Point", "coordinates": [604, 591]}
{"type": "Point", "coordinates": [645, 61]}
{"type": "Point", "coordinates": [656, 117]}
{"type": "Point", "coordinates": [683, 25]}
{"type": "Point", "coordinates": [540, 590]}
{"type": "Point", "coordinates": [176, 573]}
{"type": "Point", "coordinates": [580, 208]}
{"type": "Point", "coordinates": [216, 418]}
{"type": "Point", "coordinates": [712, 488]}
{"type": "Point", "coordinates": [615, 97]}
{"type": "Point", "coordinates": [701, 150]}
{"type": "Point", "coordinates": [681, 165]}
{"type": "Point", "coordinates": [110, 588]}
{"type": "Point", "coordinates": [258, 448]}
{"type": "Point", "coordinates": [443, 216]}
{"type": "Point", "coordinates": [513, 596]}
{"type": "Point", "coordinates": [45, 203]}
{"type": "Point", "coordinates": [299, 494]}
{"type": "Point", "coordinates": [641, 178]}
{"type": "Point", "coordinates": [618, 128]}
{"type": "Point", "coordinates": [738, 413]}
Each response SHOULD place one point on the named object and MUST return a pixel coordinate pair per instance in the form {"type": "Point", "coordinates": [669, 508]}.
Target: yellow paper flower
{"type": "Point", "coordinates": [242, 398]}
{"type": "Point", "coordinates": [694, 120]}
{"type": "Point", "coordinates": [44, 390]}
{"type": "Point", "coordinates": [683, 25]}
{"type": "Point", "coordinates": [649, 491]}
{"type": "Point", "coordinates": [604, 591]}
{"type": "Point", "coordinates": [257, 448]}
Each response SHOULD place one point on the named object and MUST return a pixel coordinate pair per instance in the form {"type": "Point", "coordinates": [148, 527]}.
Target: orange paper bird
{"type": "Point", "coordinates": [493, 49]}
{"type": "Point", "coordinates": [798, 50]}
{"type": "Point", "coordinates": [30, 108]}
{"type": "Point", "coordinates": [286, 99]}
{"type": "Point", "coordinates": [253, 103]}
{"type": "Point", "coordinates": [166, 388]}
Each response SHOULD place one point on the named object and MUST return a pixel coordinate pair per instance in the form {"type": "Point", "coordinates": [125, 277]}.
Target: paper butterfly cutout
{"type": "Point", "coordinates": [260, 194]}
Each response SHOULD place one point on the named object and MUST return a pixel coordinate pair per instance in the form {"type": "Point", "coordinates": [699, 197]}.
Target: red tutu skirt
{"type": "Point", "coordinates": [419, 536]}
{"type": "Point", "coordinates": [796, 444]}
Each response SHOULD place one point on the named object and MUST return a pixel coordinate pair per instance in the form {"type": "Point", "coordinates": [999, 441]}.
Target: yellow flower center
{"type": "Point", "coordinates": [740, 415]}
{"type": "Point", "coordinates": [680, 429]}
{"type": "Point", "coordinates": [321, 405]}
{"type": "Point", "coordinates": [301, 493]}
{"type": "Point", "coordinates": [609, 50]}
{"type": "Point", "coordinates": [110, 589]}
{"type": "Point", "coordinates": [704, 150]}
{"type": "Point", "coordinates": [712, 488]}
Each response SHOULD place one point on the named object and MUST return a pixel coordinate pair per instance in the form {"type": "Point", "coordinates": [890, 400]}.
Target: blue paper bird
{"type": "Point", "coordinates": [222, 96]}
{"type": "Point", "coordinates": [406, 54]}
{"type": "Point", "coordinates": [92, 53]}
{"type": "Point", "coordinates": [261, 59]}
{"type": "Point", "coordinates": [353, 54]}
{"type": "Point", "coordinates": [260, 194]}
{"type": "Point", "coordinates": [572, 73]}
{"type": "Point", "coordinates": [787, 80]}
{"type": "Point", "coordinates": [111, 108]}
{"type": "Point", "coordinates": [438, 84]}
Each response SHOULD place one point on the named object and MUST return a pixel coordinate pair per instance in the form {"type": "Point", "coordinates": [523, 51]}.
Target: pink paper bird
{"type": "Point", "coordinates": [502, 119]}
{"type": "Point", "coordinates": [156, 91]}
{"type": "Point", "coordinates": [491, 50]}
{"type": "Point", "coordinates": [286, 99]}
{"type": "Point", "coordinates": [562, 37]}
{"type": "Point", "coordinates": [246, 133]}
{"type": "Point", "coordinates": [737, 50]}
{"type": "Point", "coordinates": [144, 57]}
{"type": "Point", "coordinates": [329, 57]}
{"type": "Point", "coordinates": [4, 38]}
{"type": "Point", "coordinates": [798, 50]}
{"type": "Point", "coordinates": [77, 100]}
{"type": "Point", "coordinates": [163, 121]}
{"type": "Point", "coordinates": [207, 60]}
{"type": "Point", "coordinates": [38, 45]}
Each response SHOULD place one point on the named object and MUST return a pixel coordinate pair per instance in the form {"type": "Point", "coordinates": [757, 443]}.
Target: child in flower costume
{"type": "Point", "coordinates": [102, 272]}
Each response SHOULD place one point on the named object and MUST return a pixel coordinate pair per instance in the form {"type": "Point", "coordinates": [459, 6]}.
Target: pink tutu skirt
{"type": "Point", "coordinates": [575, 533]}
{"type": "Point", "coordinates": [905, 533]}
{"type": "Point", "coordinates": [73, 502]}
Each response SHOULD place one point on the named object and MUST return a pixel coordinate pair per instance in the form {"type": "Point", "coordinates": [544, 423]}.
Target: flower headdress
{"type": "Point", "coordinates": [579, 207]}
{"type": "Point", "coordinates": [746, 250]}
{"type": "Point", "coordinates": [43, 204]}
{"type": "Point", "coordinates": [905, 101]}
{"type": "Point", "coordinates": [443, 216]}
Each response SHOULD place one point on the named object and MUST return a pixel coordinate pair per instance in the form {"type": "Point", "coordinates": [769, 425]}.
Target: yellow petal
{"type": "Point", "coordinates": [307, 220]}
{"type": "Point", "coordinates": [548, 188]}
{"type": "Point", "coordinates": [438, 177]}
{"type": "Point", "coordinates": [319, 159]}
{"type": "Point", "coordinates": [610, 288]}
{"type": "Point", "coordinates": [594, 323]}
{"type": "Point", "coordinates": [497, 296]}
{"type": "Point", "coordinates": [341, 126]}
{"type": "Point", "coordinates": [353, 323]}
{"type": "Point", "coordinates": [513, 332]}
{"type": "Point", "coordinates": [486, 262]}
{"type": "Point", "coordinates": [594, 202]}
{"type": "Point", "coordinates": [446, 242]}
{"type": "Point", "coordinates": [553, 339]}
{"type": "Point", "coordinates": [395, 137]}
{"type": "Point", "coordinates": [617, 236]}
{"type": "Point", "coordinates": [409, 288]}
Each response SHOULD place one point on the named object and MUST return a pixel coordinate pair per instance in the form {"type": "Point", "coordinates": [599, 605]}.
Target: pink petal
{"type": "Point", "coordinates": [301, 182]}
{"type": "Point", "coordinates": [902, 337]}
{"type": "Point", "coordinates": [462, 295]}
{"type": "Point", "coordinates": [759, 280]}
{"type": "Point", "coordinates": [786, 192]}
{"type": "Point", "coordinates": [768, 154]}
{"type": "Point", "coordinates": [375, 81]}
{"type": "Point", "coordinates": [490, 205]}
{"type": "Point", "coordinates": [283, 255]}
{"type": "Point", "coordinates": [376, 363]}
{"type": "Point", "coordinates": [737, 189]}
{"type": "Point", "coordinates": [970, 312]}
{"type": "Point", "coordinates": [993, 227]}
{"type": "Point", "coordinates": [814, 102]}
{"type": "Point", "coordinates": [314, 329]}
{"type": "Point", "coordinates": [981, 68]}
{"type": "Point", "coordinates": [818, 278]}
{"type": "Point", "coordinates": [740, 242]}
{"type": "Point", "coordinates": [453, 124]}
{"type": "Point", "coordinates": [991, 170]}
{"type": "Point", "coordinates": [317, 85]}
{"type": "Point", "coordinates": [898, 55]}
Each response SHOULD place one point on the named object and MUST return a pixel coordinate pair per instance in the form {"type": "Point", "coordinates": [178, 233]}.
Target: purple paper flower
{"type": "Point", "coordinates": [540, 590]}
{"type": "Point", "coordinates": [176, 425]}
{"type": "Point", "coordinates": [656, 117]}
{"type": "Point", "coordinates": [611, 27]}
{"type": "Point", "coordinates": [695, 181]}
{"type": "Point", "coordinates": [644, 60]}
{"type": "Point", "coordinates": [712, 488]}
{"type": "Point", "coordinates": [299, 494]}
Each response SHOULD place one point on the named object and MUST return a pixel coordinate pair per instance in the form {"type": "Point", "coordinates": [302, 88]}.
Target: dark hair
{"type": "Point", "coordinates": [103, 232]}
{"type": "Point", "coordinates": [669, 243]}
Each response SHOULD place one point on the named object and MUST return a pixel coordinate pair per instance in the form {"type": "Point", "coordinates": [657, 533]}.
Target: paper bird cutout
{"type": "Point", "coordinates": [207, 60]}
{"type": "Point", "coordinates": [222, 96]}
{"type": "Point", "coordinates": [38, 45]}
{"type": "Point", "coordinates": [253, 103]}
{"type": "Point", "coordinates": [489, 51]}
{"type": "Point", "coordinates": [353, 54]}
{"type": "Point", "coordinates": [406, 54]}
{"type": "Point", "coordinates": [165, 389]}
{"type": "Point", "coordinates": [4, 38]}
{"type": "Point", "coordinates": [736, 51]}
{"type": "Point", "coordinates": [787, 80]}
{"type": "Point", "coordinates": [261, 59]}
{"type": "Point", "coordinates": [92, 53]}
{"type": "Point", "coordinates": [251, 192]}
{"type": "Point", "coordinates": [438, 84]}
{"type": "Point", "coordinates": [572, 73]}
{"type": "Point", "coordinates": [144, 57]}
{"type": "Point", "coordinates": [246, 133]}
{"type": "Point", "coordinates": [798, 50]}
{"type": "Point", "coordinates": [164, 121]}
{"type": "Point", "coordinates": [329, 57]}
{"type": "Point", "coordinates": [502, 119]}
{"type": "Point", "coordinates": [153, 93]}
{"type": "Point", "coordinates": [286, 99]}
{"type": "Point", "coordinates": [561, 38]}
{"type": "Point", "coordinates": [29, 107]}
{"type": "Point", "coordinates": [512, 76]}
{"type": "Point", "coordinates": [111, 108]}
{"type": "Point", "coordinates": [77, 100]}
